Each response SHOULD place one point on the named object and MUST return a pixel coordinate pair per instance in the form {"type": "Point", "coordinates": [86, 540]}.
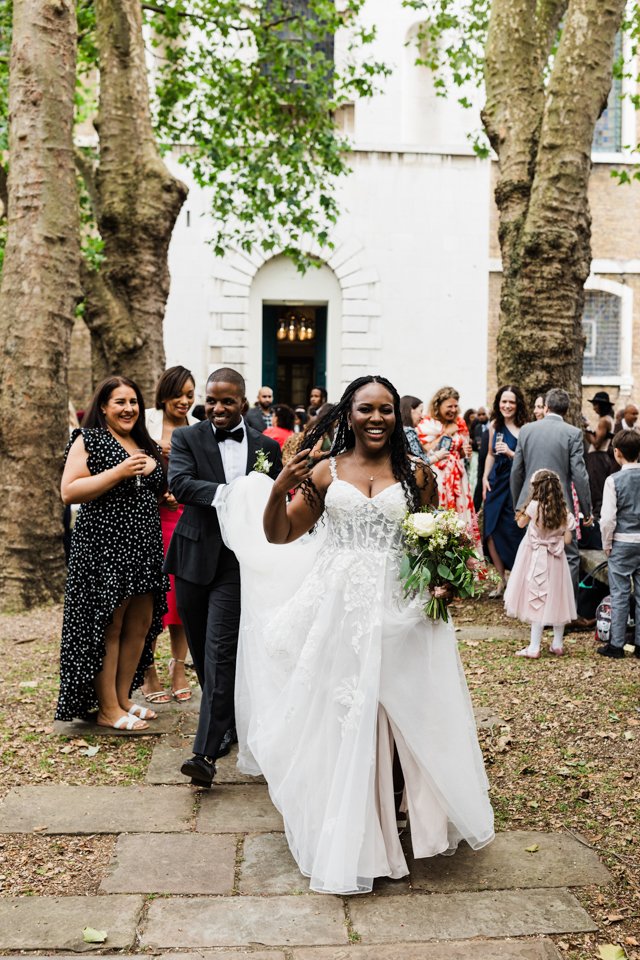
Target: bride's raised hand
{"type": "Point", "coordinates": [296, 470]}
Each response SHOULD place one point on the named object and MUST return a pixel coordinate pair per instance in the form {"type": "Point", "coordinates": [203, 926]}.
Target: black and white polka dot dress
{"type": "Point", "coordinates": [116, 552]}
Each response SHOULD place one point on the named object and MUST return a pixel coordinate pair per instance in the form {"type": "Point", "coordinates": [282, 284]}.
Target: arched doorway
{"type": "Point", "coordinates": [294, 350]}
{"type": "Point", "coordinates": [298, 320]}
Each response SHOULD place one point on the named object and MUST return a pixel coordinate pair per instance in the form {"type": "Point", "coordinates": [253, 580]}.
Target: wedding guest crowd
{"type": "Point", "coordinates": [118, 598]}
{"type": "Point", "coordinates": [175, 513]}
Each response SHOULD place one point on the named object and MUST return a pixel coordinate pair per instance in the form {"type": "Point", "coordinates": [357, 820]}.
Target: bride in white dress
{"type": "Point", "coordinates": [335, 666]}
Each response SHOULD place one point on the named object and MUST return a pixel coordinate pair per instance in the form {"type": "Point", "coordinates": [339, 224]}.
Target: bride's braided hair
{"type": "Point", "coordinates": [344, 439]}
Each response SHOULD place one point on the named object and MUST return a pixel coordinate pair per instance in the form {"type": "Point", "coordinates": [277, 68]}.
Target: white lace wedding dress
{"type": "Point", "coordinates": [333, 667]}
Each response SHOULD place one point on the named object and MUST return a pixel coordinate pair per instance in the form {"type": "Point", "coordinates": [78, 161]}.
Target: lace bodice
{"type": "Point", "coordinates": [357, 522]}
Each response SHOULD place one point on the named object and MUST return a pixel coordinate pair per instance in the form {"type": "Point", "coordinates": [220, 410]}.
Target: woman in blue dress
{"type": "Point", "coordinates": [501, 533]}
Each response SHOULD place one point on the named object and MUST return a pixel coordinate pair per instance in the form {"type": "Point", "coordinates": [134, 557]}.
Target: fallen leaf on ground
{"type": "Point", "coordinates": [611, 951]}
{"type": "Point", "coordinates": [533, 848]}
{"type": "Point", "coordinates": [89, 935]}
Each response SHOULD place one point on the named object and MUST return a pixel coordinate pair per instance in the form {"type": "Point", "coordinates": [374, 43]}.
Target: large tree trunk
{"type": "Point", "coordinates": [39, 292]}
{"type": "Point", "coordinates": [542, 136]}
{"type": "Point", "coordinates": [137, 203]}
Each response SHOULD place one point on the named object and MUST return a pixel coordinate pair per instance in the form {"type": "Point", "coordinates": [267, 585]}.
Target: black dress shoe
{"type": "Point", "coordinates": [200, 769]}
{"type": "Point", "coordinates": [608, 650]}
{"type": "Point", "coordinates": [227, 742]}
{"type": "Point", "coordinates": [636, 651]}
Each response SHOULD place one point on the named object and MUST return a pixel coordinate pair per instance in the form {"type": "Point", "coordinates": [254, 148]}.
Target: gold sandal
{"type": "Point", "coordinates": [184, 693]}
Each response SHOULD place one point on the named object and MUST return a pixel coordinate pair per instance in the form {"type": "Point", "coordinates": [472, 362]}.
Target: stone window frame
{"type": "Point", "coordinates": [624, 378]}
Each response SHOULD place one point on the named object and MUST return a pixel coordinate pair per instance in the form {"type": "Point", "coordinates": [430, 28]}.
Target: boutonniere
{"type": "Point", "coordinates": [262, 464]}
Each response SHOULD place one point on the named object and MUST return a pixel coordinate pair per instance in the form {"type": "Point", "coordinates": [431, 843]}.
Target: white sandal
{"type": "Point", "coordinates": [135, 710]}
{"type": "Point", "coordinates": [128, 722]}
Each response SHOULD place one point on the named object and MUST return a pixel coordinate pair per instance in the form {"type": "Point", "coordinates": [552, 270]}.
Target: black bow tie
{"type": "Point", "coordinates": [222, 435]}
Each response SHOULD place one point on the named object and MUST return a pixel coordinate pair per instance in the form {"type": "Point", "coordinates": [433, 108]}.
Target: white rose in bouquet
{"type": "Point", "coordinates": [424, 524]}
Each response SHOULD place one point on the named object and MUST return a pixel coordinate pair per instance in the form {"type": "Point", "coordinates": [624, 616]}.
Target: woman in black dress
{"type": "Point", "coordinates": [115, 593]}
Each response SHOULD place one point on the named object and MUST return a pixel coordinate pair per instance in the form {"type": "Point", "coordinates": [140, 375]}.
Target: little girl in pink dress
{"type": "Point", "coordinates": [540, 590]}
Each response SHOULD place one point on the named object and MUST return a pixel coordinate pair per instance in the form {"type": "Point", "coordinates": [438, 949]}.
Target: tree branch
{"type": "Point", "coordinates": [550, 14]}
{"type": "Point", "coordinates": [87, 171]}
{"type": "Point", "coordinates": [185, 15]}
{"type": "Point", "coordinates": [514, 86]}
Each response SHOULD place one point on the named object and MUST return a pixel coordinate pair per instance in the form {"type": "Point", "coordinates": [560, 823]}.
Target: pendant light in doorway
{"type": "Point", "coordinates": [295, 327]}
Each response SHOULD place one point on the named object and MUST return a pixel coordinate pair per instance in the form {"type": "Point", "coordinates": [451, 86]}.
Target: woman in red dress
{"type": "Point", "coordinates": [445, 429]}
{"type": "Point", "coordinates": [175, 394]}
{"type": "Point", "coordinates": [283, 419]}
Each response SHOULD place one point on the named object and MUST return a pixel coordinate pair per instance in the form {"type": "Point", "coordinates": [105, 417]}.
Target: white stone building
{"type": "Point", "coordinates": [411, 288]}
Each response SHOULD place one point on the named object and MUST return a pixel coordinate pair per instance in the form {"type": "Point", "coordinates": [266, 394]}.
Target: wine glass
{"type": "Point", "coordinates": [138, 477]}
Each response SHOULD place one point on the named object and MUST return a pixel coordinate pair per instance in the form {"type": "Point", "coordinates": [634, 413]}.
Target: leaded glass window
{"type": "Point", "coordinates": [607, 136]}
{"type": "Point", "coordinates": [601, 326]}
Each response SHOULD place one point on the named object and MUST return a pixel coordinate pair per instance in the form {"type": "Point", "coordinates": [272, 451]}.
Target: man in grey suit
{"type": "Point", "coordinates": [552, 444]}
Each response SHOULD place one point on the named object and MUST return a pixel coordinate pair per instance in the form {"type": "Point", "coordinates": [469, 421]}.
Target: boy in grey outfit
{"type": "Point", "coordinates": [620, 529]}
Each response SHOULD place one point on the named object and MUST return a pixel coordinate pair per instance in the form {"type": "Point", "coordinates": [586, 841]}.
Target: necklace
{"type": "Point", "coordinates": [376, 475]}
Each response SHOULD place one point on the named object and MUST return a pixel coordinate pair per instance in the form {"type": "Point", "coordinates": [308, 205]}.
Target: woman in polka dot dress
{"type": "Point", "coordinates": [115, 594]}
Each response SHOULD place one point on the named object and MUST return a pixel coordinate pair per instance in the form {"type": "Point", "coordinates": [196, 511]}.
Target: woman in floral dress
{"type": "Point", "coordinates": [445, 428]}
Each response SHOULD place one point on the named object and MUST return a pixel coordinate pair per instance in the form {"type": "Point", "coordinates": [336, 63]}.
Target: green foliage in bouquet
{"type": "Point", "coordinates": [440, 553]}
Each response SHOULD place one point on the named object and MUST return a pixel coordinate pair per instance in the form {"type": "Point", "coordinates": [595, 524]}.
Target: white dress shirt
{"type": "Point", "coordinates": [234, 457]}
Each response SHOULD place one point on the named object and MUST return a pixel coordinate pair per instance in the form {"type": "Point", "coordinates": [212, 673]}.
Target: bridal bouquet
{"type": "Point", "coordinates": [440, 553]}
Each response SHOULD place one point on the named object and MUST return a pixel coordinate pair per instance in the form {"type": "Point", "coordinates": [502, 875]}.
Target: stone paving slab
{"type": "Point", "coordinates": [56, 923]}
{"type": "Point", "coordinates": [465, 950]}
{"type": "Point", "coordinates": [172, 863]}
{"type": "Point", "coordinates": [268, 866]}
{"type": "Point", "coordinates": [63, 809]}
{"type": "Point", "coordinates": [244, 921]}
{"type": "Point", "coordinates": [189, 725]}
{"type": "Point", "coordinates": [167, 757]}
{"type": "Point", "coordinates": [560, 861]}
{"type": "Point", "coordinates": [461, 916]}
{"type": "Point", "coordinates": [219, 954]}
{"type": "Point", "coordinates": [238, 809]}
{"type": "Point", "coordinates": [215, 954]}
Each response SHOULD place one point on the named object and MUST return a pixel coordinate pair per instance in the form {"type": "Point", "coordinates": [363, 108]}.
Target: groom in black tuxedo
{"type": "Point", "coordinates": [203, 458]}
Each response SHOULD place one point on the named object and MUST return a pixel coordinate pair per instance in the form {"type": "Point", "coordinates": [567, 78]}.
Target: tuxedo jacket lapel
{"type": "Point", "coordinates": [253, 445]}
{"type": "Point", "coordinates": [213, 453]}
